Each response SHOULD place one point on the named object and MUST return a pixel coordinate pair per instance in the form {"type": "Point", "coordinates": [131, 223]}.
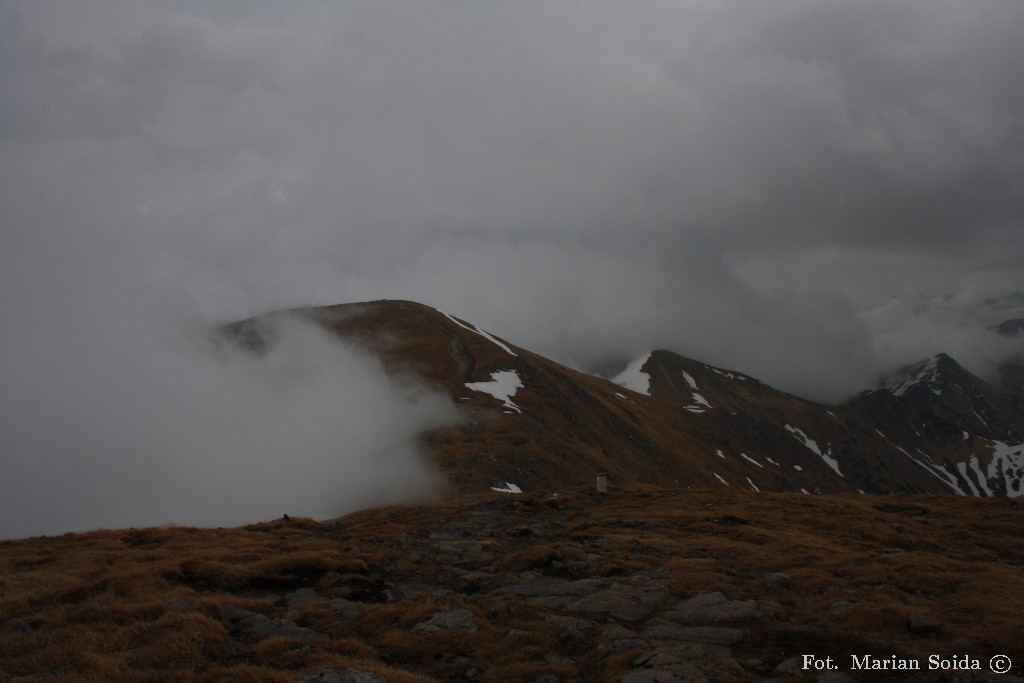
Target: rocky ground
{"type": "Point", "coordinates": [636, 586]}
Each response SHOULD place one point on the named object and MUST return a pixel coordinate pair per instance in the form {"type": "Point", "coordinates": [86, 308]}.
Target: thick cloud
{"type": "Point", "coordinates": [119, 409]}
{"type": "Point", "coordinates": [810, 192]}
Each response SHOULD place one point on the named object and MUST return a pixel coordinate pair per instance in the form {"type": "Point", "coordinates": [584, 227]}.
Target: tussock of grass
{"type": "Point", "coordinates": [540, 557]}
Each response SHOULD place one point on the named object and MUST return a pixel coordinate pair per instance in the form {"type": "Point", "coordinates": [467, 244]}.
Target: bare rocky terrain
{"type": "Point", "coordinates": [633, 585]}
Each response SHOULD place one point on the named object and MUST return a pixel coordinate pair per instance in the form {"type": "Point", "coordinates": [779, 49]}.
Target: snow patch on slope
{"type": "Point", "coordinates": [635, 379]}
{"type": "Point", "coordinates": [1007, 463]}
{"type": "Point", "coordinates": [813, 445]}
{"type": "Point", "coordinates": [502, 386]}
{"type": "Point", "coordinates": [694, 395]}
{"type": "Point", "coordinates": [508, 488]}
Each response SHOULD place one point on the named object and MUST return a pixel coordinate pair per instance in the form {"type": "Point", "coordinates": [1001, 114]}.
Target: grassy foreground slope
{"type": "Point", "coordinates": [526, 587]}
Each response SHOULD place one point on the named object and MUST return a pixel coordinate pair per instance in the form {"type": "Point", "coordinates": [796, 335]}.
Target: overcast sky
{"type": "Point", "coordinates": [811, 192]}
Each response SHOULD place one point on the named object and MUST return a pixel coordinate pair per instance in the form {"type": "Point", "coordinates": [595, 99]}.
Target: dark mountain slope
{"type": "Point", "coordinates": [533, 424]}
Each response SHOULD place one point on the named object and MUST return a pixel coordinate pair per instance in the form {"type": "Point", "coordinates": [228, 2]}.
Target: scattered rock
{"type": "Point", "coordinates": [19, 625]}
{"type": "Point", "coordinates": [794, 666]}
{"type": "Point", "coordinates": [264, 626]}
{"type": "Point", "coordinates": [349, 609]}
{"type": "Point", "coordinates": [232, 613]}
{"type": "Point", "coordinates": [408, 590]}
{"type": "Point", "coordinates": [457, 619]}
{"type": "Point", "coordinates": [180, 605]}
{"type": "Point", "coordinates": [714, 608]}
{"type": "Point", "coordinates": [778, 580]}
{"type": "Point", "coordinates": [683, 662]}
{"type": "Point", "coordinates": [922, 624]}
{"type": "Point", "coordinates": [572, 627]}
{"type": "Point", "coordinates": [344, 675]}
{"type": "Point", "coordinates": [664, 632]}
{"type": "Point", "coordinates": [301, 597]}
{"type": "Point", "coordinates": [839, 606]}
{"type": "Point", "coordinates": [624, 602]}
{"type": "Point", "coordinates": [542, 587]}
{"type": "Point", "coordinates": [610, 631]}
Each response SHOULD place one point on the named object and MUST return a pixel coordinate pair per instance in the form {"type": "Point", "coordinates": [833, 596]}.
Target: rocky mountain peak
{"type": "Point", "coordinates": [931, 375]}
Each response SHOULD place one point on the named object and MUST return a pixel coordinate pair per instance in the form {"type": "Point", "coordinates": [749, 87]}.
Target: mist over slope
{"type": "Point", "coordinates": [123, 426]}
{"type": "Point", "coordinates": [810, 193]}
{"type": "Point", "coordinates": [532, 424]}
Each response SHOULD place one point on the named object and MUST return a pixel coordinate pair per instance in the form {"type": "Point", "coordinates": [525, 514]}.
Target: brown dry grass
{"type": "Point", "coordinates": [96, 606]}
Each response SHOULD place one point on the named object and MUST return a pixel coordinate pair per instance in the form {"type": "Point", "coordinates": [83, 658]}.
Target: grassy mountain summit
{"type": "Point", "coordinates": [638, 584]}
{"type": "Point", "coordinates": [672, 421]}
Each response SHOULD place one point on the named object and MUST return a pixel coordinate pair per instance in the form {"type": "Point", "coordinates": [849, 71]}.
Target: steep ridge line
{"type": "Point", "coordinates": [573, 425]}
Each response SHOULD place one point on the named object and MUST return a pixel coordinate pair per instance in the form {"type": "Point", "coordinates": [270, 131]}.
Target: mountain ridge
{"type": "Point", "coordinates": [535, 424]}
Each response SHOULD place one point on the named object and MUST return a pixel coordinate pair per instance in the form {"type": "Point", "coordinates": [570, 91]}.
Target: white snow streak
{"type": "Point", "coordinates": [509, 488]}
{"type": "Point", "coordinates": [936, 471]}
{"type": "Point", "coordinates": [962, 467]}
{"type": "Point", "coordinates": [726, 374]}
{"type": "Point", "coordinates": [693, 390]}
{"type": "Point", "coordinates": [813, 445]}
{"type": "Point", "coordinates": [482, 333]}
{"type": "Point", "coordinates": [982, 479]}
{"type": "Point", "coordinates": [749, 459]}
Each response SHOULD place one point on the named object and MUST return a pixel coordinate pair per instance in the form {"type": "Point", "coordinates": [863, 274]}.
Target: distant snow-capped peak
{"type": "Point", "coordinates": [927, 373]}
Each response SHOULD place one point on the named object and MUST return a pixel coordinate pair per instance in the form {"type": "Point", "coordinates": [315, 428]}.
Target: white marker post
{"type": "Point", "coordinates": [602, 482]}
